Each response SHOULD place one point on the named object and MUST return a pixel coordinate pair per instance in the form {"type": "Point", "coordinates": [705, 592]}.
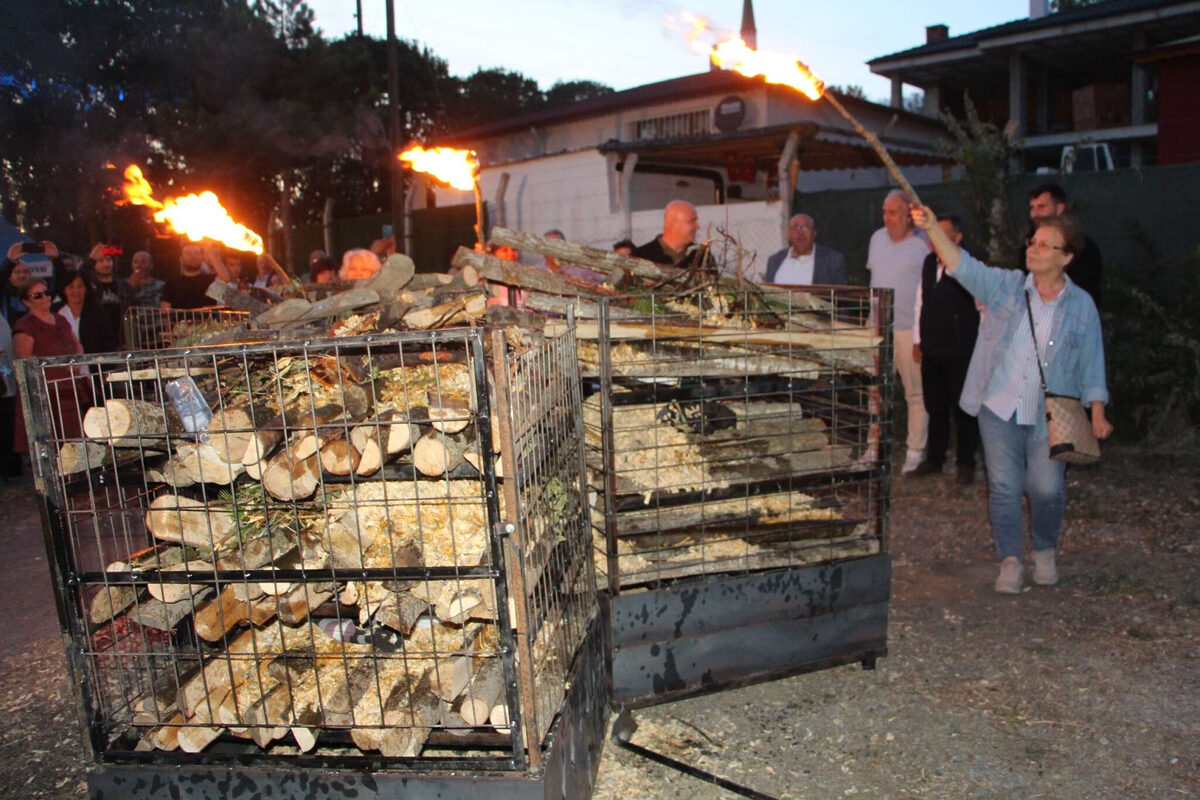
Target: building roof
{"type": "Point", "coordinates": [649, 94]}
{"type": "Point", "coordinates": [1155, 19]}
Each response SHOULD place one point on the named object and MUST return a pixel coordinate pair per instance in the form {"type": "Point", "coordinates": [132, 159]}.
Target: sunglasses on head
{"type": "Point", "coordinates": [37, 295]}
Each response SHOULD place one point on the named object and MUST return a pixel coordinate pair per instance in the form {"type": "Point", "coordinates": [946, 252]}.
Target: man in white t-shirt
{"type": "Point", "coordinates": [803, 261]}
{"type": "Point", "coordinates": [895, 257]}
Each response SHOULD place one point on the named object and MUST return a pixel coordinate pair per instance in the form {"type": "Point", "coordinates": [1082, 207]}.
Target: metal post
{"type": "Point", "coordinates": [393, 62]}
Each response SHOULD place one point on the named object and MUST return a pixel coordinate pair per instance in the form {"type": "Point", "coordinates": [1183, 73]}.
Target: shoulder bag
{"type": "Point", "coordinates": [1070, 430]}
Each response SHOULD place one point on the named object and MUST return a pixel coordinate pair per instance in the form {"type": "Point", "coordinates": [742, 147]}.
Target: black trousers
{"type": "Point", "coordinates": [10, 463]}
{"type": "Point", "coordinates": [942, 378]}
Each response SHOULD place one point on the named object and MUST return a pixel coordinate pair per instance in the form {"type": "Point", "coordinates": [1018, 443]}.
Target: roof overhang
{"type": "Point", "coordinates": [1071, 43]}
{"type": "Point", "coordinates": [819, 148]}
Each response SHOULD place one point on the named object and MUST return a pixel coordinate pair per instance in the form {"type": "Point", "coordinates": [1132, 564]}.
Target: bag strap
{"type": "Point", "coordinates": [1033, 332]}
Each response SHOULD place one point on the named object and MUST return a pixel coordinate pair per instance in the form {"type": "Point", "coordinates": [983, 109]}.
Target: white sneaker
{"type": "Point", "coordinates": [1009, 579]}
{"type": "Point", "coordinates": [1045, 571]}
{"type": "Point", "coordinates": [912, 461]}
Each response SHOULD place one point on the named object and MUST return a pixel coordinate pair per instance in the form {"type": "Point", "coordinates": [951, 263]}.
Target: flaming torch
{"type": "Point", "coordinates": [780, 69]}
{"type": "Point", "coordinates": [196, 216]}
{"type": "Point", "coordinates": [456, 168]}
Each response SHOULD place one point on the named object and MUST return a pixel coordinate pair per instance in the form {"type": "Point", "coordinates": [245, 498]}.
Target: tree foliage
{"type": "Point", "coordinates": [986, 154]}
{"type": "Point", "coordinates": [244, 97]}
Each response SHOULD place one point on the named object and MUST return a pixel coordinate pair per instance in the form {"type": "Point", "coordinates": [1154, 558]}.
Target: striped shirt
{"type": "Point", "coordinates": [1016, 386]}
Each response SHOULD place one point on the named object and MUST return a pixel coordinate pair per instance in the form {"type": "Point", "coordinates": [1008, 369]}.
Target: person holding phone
{"type": "Point", "coordinates": [23, 262]}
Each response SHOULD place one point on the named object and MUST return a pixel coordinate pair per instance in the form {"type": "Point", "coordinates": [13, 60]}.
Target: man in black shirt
{"type": "Point", "coordinates": [946, 326]}
{"type": "Point", "coordinates": [104, 288]}
{"type": "Point", "coordinates": [680, 225]}
{"type": "Point", "coordinates": [1087, 268]}
{"type": "Point", "coordinates": [187, 289]}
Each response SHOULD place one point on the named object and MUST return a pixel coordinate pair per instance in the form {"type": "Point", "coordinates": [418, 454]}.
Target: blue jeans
{"type": "Point", "coordinates": [1017, 465]}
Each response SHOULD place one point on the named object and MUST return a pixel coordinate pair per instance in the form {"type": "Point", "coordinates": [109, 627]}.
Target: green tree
{"type": "Point", "coordinates": [986, 154]}
{"type": "Point", "coordinates": [567, 92]}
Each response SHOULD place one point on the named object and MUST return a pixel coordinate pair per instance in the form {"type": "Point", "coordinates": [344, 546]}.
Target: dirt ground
{"type": "Point", "coordinates": [1090, 689]}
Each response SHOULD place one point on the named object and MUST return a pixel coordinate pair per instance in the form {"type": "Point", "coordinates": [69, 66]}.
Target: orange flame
{"type": "Point", "coordinates": [738, 56]}
{"type": "Point", "coordinates": [454, 167]}
{"type": "Point", "coordinates": [196, 216]}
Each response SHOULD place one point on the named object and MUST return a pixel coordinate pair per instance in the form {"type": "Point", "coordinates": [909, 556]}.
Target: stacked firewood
{"type": "Point", "coordinates": [321, 466]}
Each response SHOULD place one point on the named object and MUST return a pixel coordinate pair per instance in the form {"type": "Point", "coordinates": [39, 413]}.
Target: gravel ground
{"type": "Point", "coordinates": [1086, 690]}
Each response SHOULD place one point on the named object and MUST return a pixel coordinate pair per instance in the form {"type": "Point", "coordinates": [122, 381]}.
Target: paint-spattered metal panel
{"type": "Point", "coordinates": [722, 631]}
{"type": "Point", "coordinates": [572, 760]}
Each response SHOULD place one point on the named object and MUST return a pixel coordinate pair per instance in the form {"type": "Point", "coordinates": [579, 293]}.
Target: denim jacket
{"type": "Point", "coordinates": [1073, 358]}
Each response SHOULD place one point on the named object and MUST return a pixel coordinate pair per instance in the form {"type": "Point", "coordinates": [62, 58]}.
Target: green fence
{"type": "Point", "coordinates": [1164, 202]}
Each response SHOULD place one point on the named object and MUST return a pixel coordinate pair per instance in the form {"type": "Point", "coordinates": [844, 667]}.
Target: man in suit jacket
{"type": "Point", "coordinates": [804, 261]}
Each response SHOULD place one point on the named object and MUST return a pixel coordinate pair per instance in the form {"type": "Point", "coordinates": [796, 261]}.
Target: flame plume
{"type": "Point", "coordinates": [777, 68]}
{"type": "Point", "coordinates": [454, 167]}
{"type": "Point", "coordinates": [196, 216]}
{"type": "Point", "coordinates": [735, 54]}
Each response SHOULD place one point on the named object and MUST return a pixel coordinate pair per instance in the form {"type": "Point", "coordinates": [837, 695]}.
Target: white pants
{"type": "Point", "coordinates": [910, 376]}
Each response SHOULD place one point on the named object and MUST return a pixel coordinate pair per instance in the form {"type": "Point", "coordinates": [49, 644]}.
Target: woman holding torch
{"type": "Point", "coordinates": [1003, 387]}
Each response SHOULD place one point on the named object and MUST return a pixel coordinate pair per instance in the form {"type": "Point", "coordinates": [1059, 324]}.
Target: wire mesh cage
{"type": "Point", "coordinates": [335, 552]}
{"type": "Point", "coordinates": [737, 431]}
{"type": "Point", "coordinates": [146, 328]}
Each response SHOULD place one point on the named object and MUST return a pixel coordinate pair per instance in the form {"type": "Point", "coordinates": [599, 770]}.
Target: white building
{"type": "Point", "coordinates": [602, 169]}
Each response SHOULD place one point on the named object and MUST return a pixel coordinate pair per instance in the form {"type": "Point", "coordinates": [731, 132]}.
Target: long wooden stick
{"type": "Point", "coordinates": [873, 140]}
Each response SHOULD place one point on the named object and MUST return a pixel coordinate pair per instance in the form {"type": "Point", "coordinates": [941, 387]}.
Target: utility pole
{"type": "Point", "coordinates": [397, 170]}
{"type": "Point", "coordinates": [358, 16]}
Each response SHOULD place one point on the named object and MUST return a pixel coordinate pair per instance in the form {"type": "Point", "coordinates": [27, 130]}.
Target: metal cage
{"type": "Point", "coordinates": [738, 444]}
{"type": "Point", "coordinates": [368, 554]}
{"type": "Point", "coordinates": [145, 328]}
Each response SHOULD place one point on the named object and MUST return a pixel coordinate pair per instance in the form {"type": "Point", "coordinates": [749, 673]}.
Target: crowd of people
{"type": "Point", "coordinates": [975, 346]}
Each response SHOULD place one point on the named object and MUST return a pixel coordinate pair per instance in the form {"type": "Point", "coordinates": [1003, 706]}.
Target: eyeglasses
{"type": "Point", "coordinates": [37, 295]}
{"type": "Point", "coordinates": [1034, 244]}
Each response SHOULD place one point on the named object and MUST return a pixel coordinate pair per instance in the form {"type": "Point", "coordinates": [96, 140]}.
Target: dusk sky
{"type": "Point", "coordinates": [625, 44]}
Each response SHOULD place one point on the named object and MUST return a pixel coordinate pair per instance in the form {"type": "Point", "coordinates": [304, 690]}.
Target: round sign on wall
{"type": "Point", "coordinates": [729, 114]}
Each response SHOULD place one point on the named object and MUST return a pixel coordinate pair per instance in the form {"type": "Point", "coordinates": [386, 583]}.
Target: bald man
{"type": "Point", "coordinates": [680, 225]}
{"type": "Point", "coordinates": [895, 258]}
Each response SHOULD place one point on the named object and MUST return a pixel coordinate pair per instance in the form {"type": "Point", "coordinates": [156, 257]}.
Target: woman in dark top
{"type": "Point", "coordinates": [88, 321]}
{"type": "Point", "coordinates": [41, 332]}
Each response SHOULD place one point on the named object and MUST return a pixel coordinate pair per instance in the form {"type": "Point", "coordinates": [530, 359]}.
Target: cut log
{"type": "Point", "coordinates": [438, 453]}
{"type": "Point", "coordinates": [295, 606]}
{"type": "Point", "coordinates": [289, 560]}
{"type": "Point", "coordinates": [299, 416]}
{"type": "Point", "coordinates": [154, 613]}
{"type": "Point", "coordinates": [74, 457]}
{"type": "Point", "coordinates": [231, 429]}
{"type": "Point", "coordinates": [219, 616]}
{"type": "Point", "coordinates": [401, 611]}
{"type": "Point", "coordinates": [499, 716]}
{"type": "Point", "coordinates": [172, 472]}
{"type": "Point", "coordinates": [202, 464]}
{"type": "Point", "coordinates": [397, 433]}
{"type": "Point", "coordinates": [449, 413]}
{"type": "Point", "coordinates": [339, 304]}
{"type": "Point", "coordinates": [286, 478]}
{"type": "Point", "coordinates": [173, 593]}
{"type": "Point", "coordinates": [235, 299]}
{"type": "Point", "coordinates": [591, 257]}
{"type": "Point", "coordinates": [172, 518]}
{"type": "Point", "coordinates": [477, 700]}
{"type": "Point", "coordinates": [130, 423]}
{"type": "Point", "coordinates": [395, 273]}
{"type": "Point", "coordinates": [166, 737]}
{"type": "Point", "coordinates": [451, 676]}
{"type": "Point", "coordinates": [268, 717]}
{"type": "Point", "coordinates": [473, 458]}
{"type": "Point", "coordinates": [312, 441]}
{"type": "Point", "coordinates": [511, 273]}
{"type": "Point", "coordinates": [111, 600]}
{"type": "Point", "coordinates": [462, 309]}
{"type": "Point", "coordinates": [429, 280]}
{"type": "Point", "coordinates": [286, 313]}
{"type": "Point", "coordinates": [340, 457]}
{"type": "Point", "coordinates": [421, 712]}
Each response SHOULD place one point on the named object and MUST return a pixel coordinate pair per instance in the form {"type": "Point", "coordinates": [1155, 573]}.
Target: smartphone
{"type": "Point", "coordinates": [32, 247]}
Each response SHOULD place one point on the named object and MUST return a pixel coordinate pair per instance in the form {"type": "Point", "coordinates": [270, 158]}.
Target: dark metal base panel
{"type": "Point", "coordinates": [572, 760]}
{"type": "Point", "coordinates": [720, 631]}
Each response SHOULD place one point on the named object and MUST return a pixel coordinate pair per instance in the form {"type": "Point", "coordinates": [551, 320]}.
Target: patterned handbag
{"type": "Point", "coordinates": [1070, 430]}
